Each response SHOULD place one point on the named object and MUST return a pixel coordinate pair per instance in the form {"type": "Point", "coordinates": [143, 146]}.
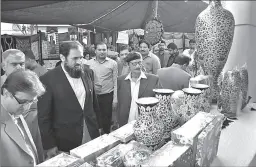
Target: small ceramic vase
{"type": "Point", "coordinates": [230, 95]}
{"type": "Point", "coordinates": [191, 104]}
{"type": "Point", "coordinates": [148, 130]}
{"type": "Point", "coordinates": [164, 111]}
{"type": "Point", "coordinates": [205, 100]}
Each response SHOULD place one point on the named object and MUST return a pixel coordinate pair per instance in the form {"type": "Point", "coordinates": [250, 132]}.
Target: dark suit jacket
{"type": "Point", "coordinates": [60, 114]}
{"type": "Point", "coordinates": [173, 78]}
{"type": "Point", "coordinates": [124, 94]}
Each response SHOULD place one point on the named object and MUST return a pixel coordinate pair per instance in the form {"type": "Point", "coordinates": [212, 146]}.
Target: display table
{"type": "Point", "coordinates": [237, 146]}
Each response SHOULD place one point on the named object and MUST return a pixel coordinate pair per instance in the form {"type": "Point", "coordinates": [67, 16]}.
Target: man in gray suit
{"type": "Point", "coordinates": [132, 86]}
{"type": "Point", "coordinates": [175, 77]}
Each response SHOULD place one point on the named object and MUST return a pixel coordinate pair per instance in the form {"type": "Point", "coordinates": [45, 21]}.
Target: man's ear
{"type": "Point", "coordinates": [62, 57]}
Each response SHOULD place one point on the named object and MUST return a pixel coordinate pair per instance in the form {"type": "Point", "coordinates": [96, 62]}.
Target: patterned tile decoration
{"type": "Point", "coordinates": [189, 132]}
{"type": "Point", "coordinates": [137, 155]}
{"type": "Point", "coordinates": [124, 133]}
{"type": "Point", "coordinates": [62, 159]}
{"type": "Point", "coordinates": [170, 155]}
{"type": "Point", "coordinates": [208, 142]}
{"type": "Point", "coordinates": [89, 151]}
{"type": "Point", "coordinates": [112, 157]}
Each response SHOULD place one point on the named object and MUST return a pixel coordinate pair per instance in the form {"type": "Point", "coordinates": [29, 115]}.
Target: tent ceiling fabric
{"type": "Point", "coordinates": [176, 16]}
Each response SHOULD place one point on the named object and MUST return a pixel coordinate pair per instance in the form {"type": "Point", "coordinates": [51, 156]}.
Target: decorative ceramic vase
{"type": "Point", "coordinates": [214, 31]}
{"type": "Point", "coordinates": [148, 130]}
{"type": "Point", "coordinates": [244, 85]}
{"type": "Point", "coordinates": [205, 97]}
{"type": "Point", "coordinates": [164, 111]}
{"type": "Point", "coordinates": [230, 93]}
{"type": "Point", "coordinates": [191, 104]}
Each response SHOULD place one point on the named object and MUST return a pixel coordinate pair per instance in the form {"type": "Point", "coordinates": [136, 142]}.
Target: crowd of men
{"type": "Point", "coordinates": [77, 100]}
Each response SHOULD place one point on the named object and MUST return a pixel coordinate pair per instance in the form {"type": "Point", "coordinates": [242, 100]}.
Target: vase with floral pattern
{"type": "Point", "coordinates": [164, 111]}
{"type": "Point", "coordinates": [230, 95]}
{"type": "Point", "coordinates": [214, 31]}
{"type": "Point", "coordinates": [148, 130]}
{"type": "Point", "coordinates": [205, 96]}
{"type": "Point", "coordinates": [244, 85]}
{"type": "Point", "coordinates": [191, 104]}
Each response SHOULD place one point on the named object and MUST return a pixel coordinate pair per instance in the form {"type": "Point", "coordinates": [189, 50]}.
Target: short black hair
{"type": "Point", "coordinates": [146, 42]}
{"type": "Point", "coordinates": [192, 41]}
{"type": "Point", "coordinates": [132, 56]}
{"type": "Point", "coordinates": [66, 46]}
{"type": "Point", "coordinates": [172, 46]}
{"type": "Point", "coordinates": [182, 59]}
{"type": "Point", "coordinates": [124, 47]}
{"type": "Point", "coordinates": [100, 43]}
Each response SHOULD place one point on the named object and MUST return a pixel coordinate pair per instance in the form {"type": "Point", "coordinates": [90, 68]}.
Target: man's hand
{"type": "Point", "coordinates": [51, 153]}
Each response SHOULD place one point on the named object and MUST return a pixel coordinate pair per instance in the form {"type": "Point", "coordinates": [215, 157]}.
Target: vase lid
{"type": "Point", "coordinates": [147, 100]}
{"type": "Point", "coordinates": [163, 90]}
{"type": "Point", "coordinates": [199, 86]}
{"type": "Point", "coordinates": [192, 91]}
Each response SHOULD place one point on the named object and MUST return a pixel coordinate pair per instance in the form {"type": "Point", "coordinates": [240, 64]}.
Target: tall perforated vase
{"type": "Point", "coordinates": [214, 31]}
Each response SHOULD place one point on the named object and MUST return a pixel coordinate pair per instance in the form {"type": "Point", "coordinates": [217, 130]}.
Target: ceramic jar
{"type": "Point", "coordinates": [191, 104]}
{"type": "Point", "coordinates": [205, 97]}
{"type": "Point", "coordinates": [244, 85]}
{"type": "Point", "coordinates": [230, 95]}
{"type": "Point", "coordinates": [214, 31]}
{"type": "Point", "coordinates": [164, 111]}
{"type": "Point", "coordinates": [148, 130]}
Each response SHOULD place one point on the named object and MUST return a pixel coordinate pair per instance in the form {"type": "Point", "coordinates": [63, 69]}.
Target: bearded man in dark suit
{"type": "Point", "coordinates": [68, 112]}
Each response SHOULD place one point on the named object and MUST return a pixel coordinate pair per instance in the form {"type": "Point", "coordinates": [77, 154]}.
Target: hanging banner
{"type": "Point", "coordinates": [52, 42]}
{"type": "Point", "coordinates": [123, 38]}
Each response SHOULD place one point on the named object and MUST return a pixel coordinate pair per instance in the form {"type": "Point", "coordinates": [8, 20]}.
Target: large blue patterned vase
{"type": "Point", "coordinates": [164, 112]}
{"type": "Point", "coordinates": [214, 31]}
{"type": "Point", "coordinates": [148, 130]}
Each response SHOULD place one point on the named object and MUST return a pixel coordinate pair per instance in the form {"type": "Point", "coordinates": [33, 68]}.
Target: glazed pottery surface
{"type": "Point", "coordinates": [214, 31]}
{"type": "Point", "coordinates": [244, 85]}
{"type": "Point", "coordinates": [148, 130]}
{"type": "Point", "coordinates": [191, 104]}
{"type": "Point", "coordinates": [205, 97]}
{"type": "Point", "coordinates": [164, 111]}
{"type": "Point", "coordinates": [230, 93]}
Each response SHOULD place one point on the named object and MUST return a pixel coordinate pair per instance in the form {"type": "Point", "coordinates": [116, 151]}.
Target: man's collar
{"type": "Point", "coordinates": [106, 59]}
{"type": "Point", "coordinates": [142, 75]}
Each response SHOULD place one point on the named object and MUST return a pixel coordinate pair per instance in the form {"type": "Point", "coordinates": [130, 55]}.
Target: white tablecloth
{"type": "Point", "coordinates": [237, 146]}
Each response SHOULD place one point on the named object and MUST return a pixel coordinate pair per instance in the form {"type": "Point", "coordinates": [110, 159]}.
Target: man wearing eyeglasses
{"type": "Point", "coordinates": [132, 86]}
{"type": "Point", "coordinates": [19, 91]}
{"type": "Point", "coordinates": [14, 59]}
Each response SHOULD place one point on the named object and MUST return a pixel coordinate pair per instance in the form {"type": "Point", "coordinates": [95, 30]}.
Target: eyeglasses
{"type": "Point", "coordinates": [136, 63]}
{"type": "Point", "coordinates": [25, 102]}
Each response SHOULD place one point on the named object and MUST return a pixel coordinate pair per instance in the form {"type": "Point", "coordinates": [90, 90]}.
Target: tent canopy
{"type": "Point", "coordinates": [176, 16]}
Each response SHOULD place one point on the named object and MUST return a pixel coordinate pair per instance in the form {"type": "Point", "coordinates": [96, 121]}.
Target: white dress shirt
{"type": "Point", "coordinates": [79, 89]}
{"type": "Point", "coordinates": [135, 86]}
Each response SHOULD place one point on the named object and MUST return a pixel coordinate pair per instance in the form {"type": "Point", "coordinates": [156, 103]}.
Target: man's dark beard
{"type": "Point", "coordinates": [74, 72]}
